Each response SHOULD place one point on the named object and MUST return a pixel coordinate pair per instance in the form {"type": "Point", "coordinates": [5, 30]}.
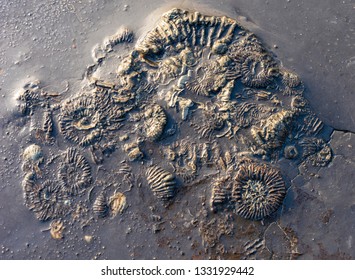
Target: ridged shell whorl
{"type": "Point", "coordinates": [161, 182]}
{"type": "Point", "coordinates": [258, 191]}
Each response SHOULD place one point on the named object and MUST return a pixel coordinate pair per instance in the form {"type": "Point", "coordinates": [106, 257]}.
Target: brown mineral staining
{"type": "Point", "coordinates": [258, 191]}
{"type": "Point", "coordinates": [117, 203]}
{"type": "Point", "coordinates": [56, 229]}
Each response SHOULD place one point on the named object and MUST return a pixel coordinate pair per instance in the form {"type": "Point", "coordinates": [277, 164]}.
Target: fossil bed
{"type": "Point", "coordinates": [147, 123]}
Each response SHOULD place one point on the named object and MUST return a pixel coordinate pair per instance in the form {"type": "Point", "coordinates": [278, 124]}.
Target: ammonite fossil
{"type": "Point", "coordinates": [154, 122]}
{"type": "Point", "coordinates": [274, 130]}
{"type": "Point", "coordinates": [258, 190]}
{"type": "Point", "coordinates": [221, 192]}
{"type": "Point", "coordinates": [117, 203]}
{"type": "Point", "coordinates": [74, 172]}
{"type": "Point", "coordinates": [80, 120]}
{"type": "Point", "coordinates": [257, 69]}
{"type": "Point", "coordinates": [32, 157]}
{"type": "Point", "coordinates": [196, 104]}
{"type": "Point", "coordinates": [316, 151]}
{"type": "Point", "coordinates": [47, 200]}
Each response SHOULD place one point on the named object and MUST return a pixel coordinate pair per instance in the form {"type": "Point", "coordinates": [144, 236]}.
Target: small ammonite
{"type": "Point", "coordinates": [290, 79]}
{"type": "Point", "coordinates": [161, 182]}
{"type": "Point", "coordinates": [290, 152]}
{"type": "Point", "coordinates": [47, 200]}
{"type": "Point", "coordinates": [273, 131]}
{"type": "Point", "coordinates": [74, 172]}
{"type": "Point", "coordinates": [316, 151]}
{"type": "Point", "coordinates": [258, 190]}
{"type": "Point", "coordinates": [155, 121]}
{"type": "Point", "coordinates": [258, 70]}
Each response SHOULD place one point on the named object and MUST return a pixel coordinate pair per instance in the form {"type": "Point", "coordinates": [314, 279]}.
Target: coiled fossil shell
{"type": "Point", "coordinates": [273, 131]}
{"type": "Point", "coordinates": [258, 191]}
{"type": "Point", "coordinates": [33, 154]}
{"type": "Point", "coordinates": [161, 182]}
{"type": "Point", "coordinates": [257, 69]}
{"type": "Point", "coordinates": [316, 151]}
{"type": "Point", "coordinates": [47, 200]}
{"type": "Point", "coordinates": [154, 122]}
{"type": "Point", "coordinates": [80, 120]}
{"type": "Point", "coordinates": [74, 172]}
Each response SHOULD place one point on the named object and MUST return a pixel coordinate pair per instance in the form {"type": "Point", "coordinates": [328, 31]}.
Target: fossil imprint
{"type": "Point", "coordinates": [196, 94]}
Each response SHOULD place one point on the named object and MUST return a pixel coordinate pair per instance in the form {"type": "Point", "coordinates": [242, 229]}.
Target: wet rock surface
{"type": "Point", "coordinates": [142, 113]}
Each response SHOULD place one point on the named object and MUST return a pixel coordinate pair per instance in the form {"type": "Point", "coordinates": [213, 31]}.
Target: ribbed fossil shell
{"type": "Point", "coordinates": [193, 28]}
{"type": "Point", "coordinates": [154, 122]}
{"type": "Point", "coordinates": [47, 200]}
{"type": "Point", "coordinates": [258, 70]}
{"type": "Point", "coordinates": [33, 154]}
{"type": "Point", "coordinates": [316, 151]}
{"type": "Point", "coordinates": [117, 203]}
{"type": "Point", "coordinates": [273, 131]}
{"type": "Point", "coordinates": [100, 206]}
{"type": "Point", "coordinates": [74, 172]}
{"type": "Point", "coordinates": [80, 120]}
{"type": "Point", "coordinates": [291, 79]}
{"type": "Point", "coordinates": [258, 191]}
{"type": "Point", "coordinates": [161, 182]}
{"type": "Point", "coordinates": [221, 192]}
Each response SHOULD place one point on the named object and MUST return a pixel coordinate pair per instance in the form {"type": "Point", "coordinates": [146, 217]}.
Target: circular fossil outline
{"type": "Point", "coordinates": [258, 191]}
{"type": "Point", "coordinates": [47, 200]}
{"type": "Point", "coordinates": [258, 70]}
{"type": "Point", "coordinates": [80, 120]}
{"type": "Point", "coordinates": [74, 172]}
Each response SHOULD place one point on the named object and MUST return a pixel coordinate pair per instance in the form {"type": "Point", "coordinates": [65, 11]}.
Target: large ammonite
{"type": "Point", "coordinates": [80, 120]}
{"type": "Point", "coordinates": [47, 200]}
{"type": "Point", "coordinates": [258, 190]}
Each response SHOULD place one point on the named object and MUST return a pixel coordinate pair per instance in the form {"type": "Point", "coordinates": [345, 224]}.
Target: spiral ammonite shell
{"type": "Point", "coordinates": [258, 191]}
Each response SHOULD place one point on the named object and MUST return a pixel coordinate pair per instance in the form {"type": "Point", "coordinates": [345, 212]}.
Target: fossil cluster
{"type": "Point", "coordinates": [196, 98]}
